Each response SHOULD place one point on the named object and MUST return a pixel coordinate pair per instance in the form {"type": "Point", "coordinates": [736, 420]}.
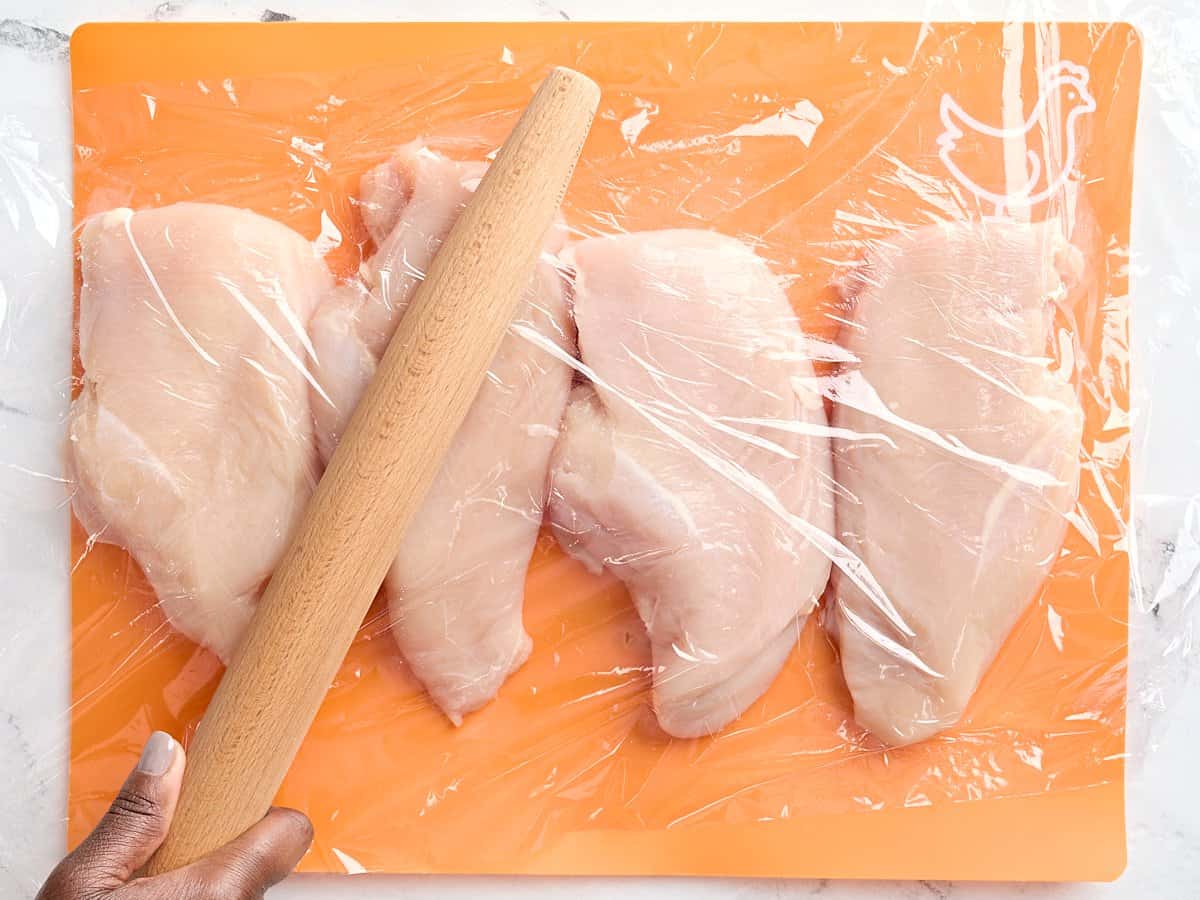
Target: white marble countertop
{"type": "Point", "coordinates": [35, 282]}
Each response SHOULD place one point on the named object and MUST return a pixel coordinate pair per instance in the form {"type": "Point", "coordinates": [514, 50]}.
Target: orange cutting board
{"type": "Point", "coordinates": [807, 140]}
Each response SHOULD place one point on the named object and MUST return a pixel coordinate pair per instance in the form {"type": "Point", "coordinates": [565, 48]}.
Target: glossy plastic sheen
{"type": "Point", "coordinates": [930, 227]}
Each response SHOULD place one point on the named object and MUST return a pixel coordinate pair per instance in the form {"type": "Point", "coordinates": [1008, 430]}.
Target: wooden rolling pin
{"type": "Point", "coordinates": [377, 479]}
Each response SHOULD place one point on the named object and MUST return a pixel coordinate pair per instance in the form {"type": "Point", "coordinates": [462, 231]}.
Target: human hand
{"type": "Point", "coordinates": [104, 865]}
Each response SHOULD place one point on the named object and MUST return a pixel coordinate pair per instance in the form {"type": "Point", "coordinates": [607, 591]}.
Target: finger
{"type": "Point", "coordinates": [136, 823]}
{"type": "Point", "coordinates": [245, 867]}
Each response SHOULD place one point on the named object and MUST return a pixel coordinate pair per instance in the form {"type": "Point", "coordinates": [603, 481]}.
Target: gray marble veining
{"type": "Point", "coordinates": [35, 40]}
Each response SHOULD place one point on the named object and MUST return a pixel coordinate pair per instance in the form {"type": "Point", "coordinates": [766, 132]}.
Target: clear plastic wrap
{"type": "Point", "coordinates": [790, 533]}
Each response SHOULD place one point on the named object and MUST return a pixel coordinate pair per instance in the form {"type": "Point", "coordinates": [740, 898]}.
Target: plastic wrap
{"type": "Point", "coordinates": [790, 532]}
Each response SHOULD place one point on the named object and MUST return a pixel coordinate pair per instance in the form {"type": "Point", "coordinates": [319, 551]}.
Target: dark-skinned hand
{"type": "Point", "coordinates": [105, 864]}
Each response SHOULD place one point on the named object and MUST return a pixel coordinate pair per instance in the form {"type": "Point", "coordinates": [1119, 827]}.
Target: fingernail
{"type": "Point", "coordinates": [157, 755]}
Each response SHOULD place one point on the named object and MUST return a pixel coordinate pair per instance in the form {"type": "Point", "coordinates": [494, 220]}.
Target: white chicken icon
{"type": "Point", "coordinates": [1064, 90]}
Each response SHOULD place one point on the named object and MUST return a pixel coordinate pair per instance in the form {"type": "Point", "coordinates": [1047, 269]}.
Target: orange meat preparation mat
{"type": "Point", "coordinates": [805, 140]}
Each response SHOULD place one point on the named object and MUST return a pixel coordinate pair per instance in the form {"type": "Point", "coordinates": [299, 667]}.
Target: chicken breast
{"type": "Point", "coordinates": [957, 455]}
{"type": "Point", "coordinates": [409, 205]}
{"type": "Point", "coordinates": [191, 442]}
{"type": "Point", "coordinates": [456, 589]}
{"type": "Point", "coordinates": [695, 464]}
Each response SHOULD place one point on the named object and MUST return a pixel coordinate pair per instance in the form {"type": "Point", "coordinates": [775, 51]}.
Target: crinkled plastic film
{"type": "Point", "coordinates": [819, 396]}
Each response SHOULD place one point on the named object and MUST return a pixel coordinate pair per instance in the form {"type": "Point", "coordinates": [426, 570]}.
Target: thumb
{"type": "Point", "coordinates": [139, 817]}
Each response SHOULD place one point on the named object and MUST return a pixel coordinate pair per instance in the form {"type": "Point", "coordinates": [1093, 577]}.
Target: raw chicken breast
{"type": "Point", "coordinates": [409, 205]}
{"type": "Point", "coordinates": [695, 465]}
{"type": "Point", "coordinates": [456, 589]}
{"type": "Point", "coordinates": [958, 460]}
{"type": "Point", "coordinates": [191, 440]}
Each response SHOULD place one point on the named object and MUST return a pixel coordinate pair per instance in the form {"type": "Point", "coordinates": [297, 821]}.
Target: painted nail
{"type": "Point", "coordinates": [157, 755]}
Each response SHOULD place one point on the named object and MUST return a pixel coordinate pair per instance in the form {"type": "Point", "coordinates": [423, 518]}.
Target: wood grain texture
{"type": "Point", "coordinates": [377, 479]}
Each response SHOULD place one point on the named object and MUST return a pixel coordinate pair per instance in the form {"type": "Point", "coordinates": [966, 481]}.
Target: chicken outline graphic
{"type": "Point", "coordinates": [1068, 77]}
